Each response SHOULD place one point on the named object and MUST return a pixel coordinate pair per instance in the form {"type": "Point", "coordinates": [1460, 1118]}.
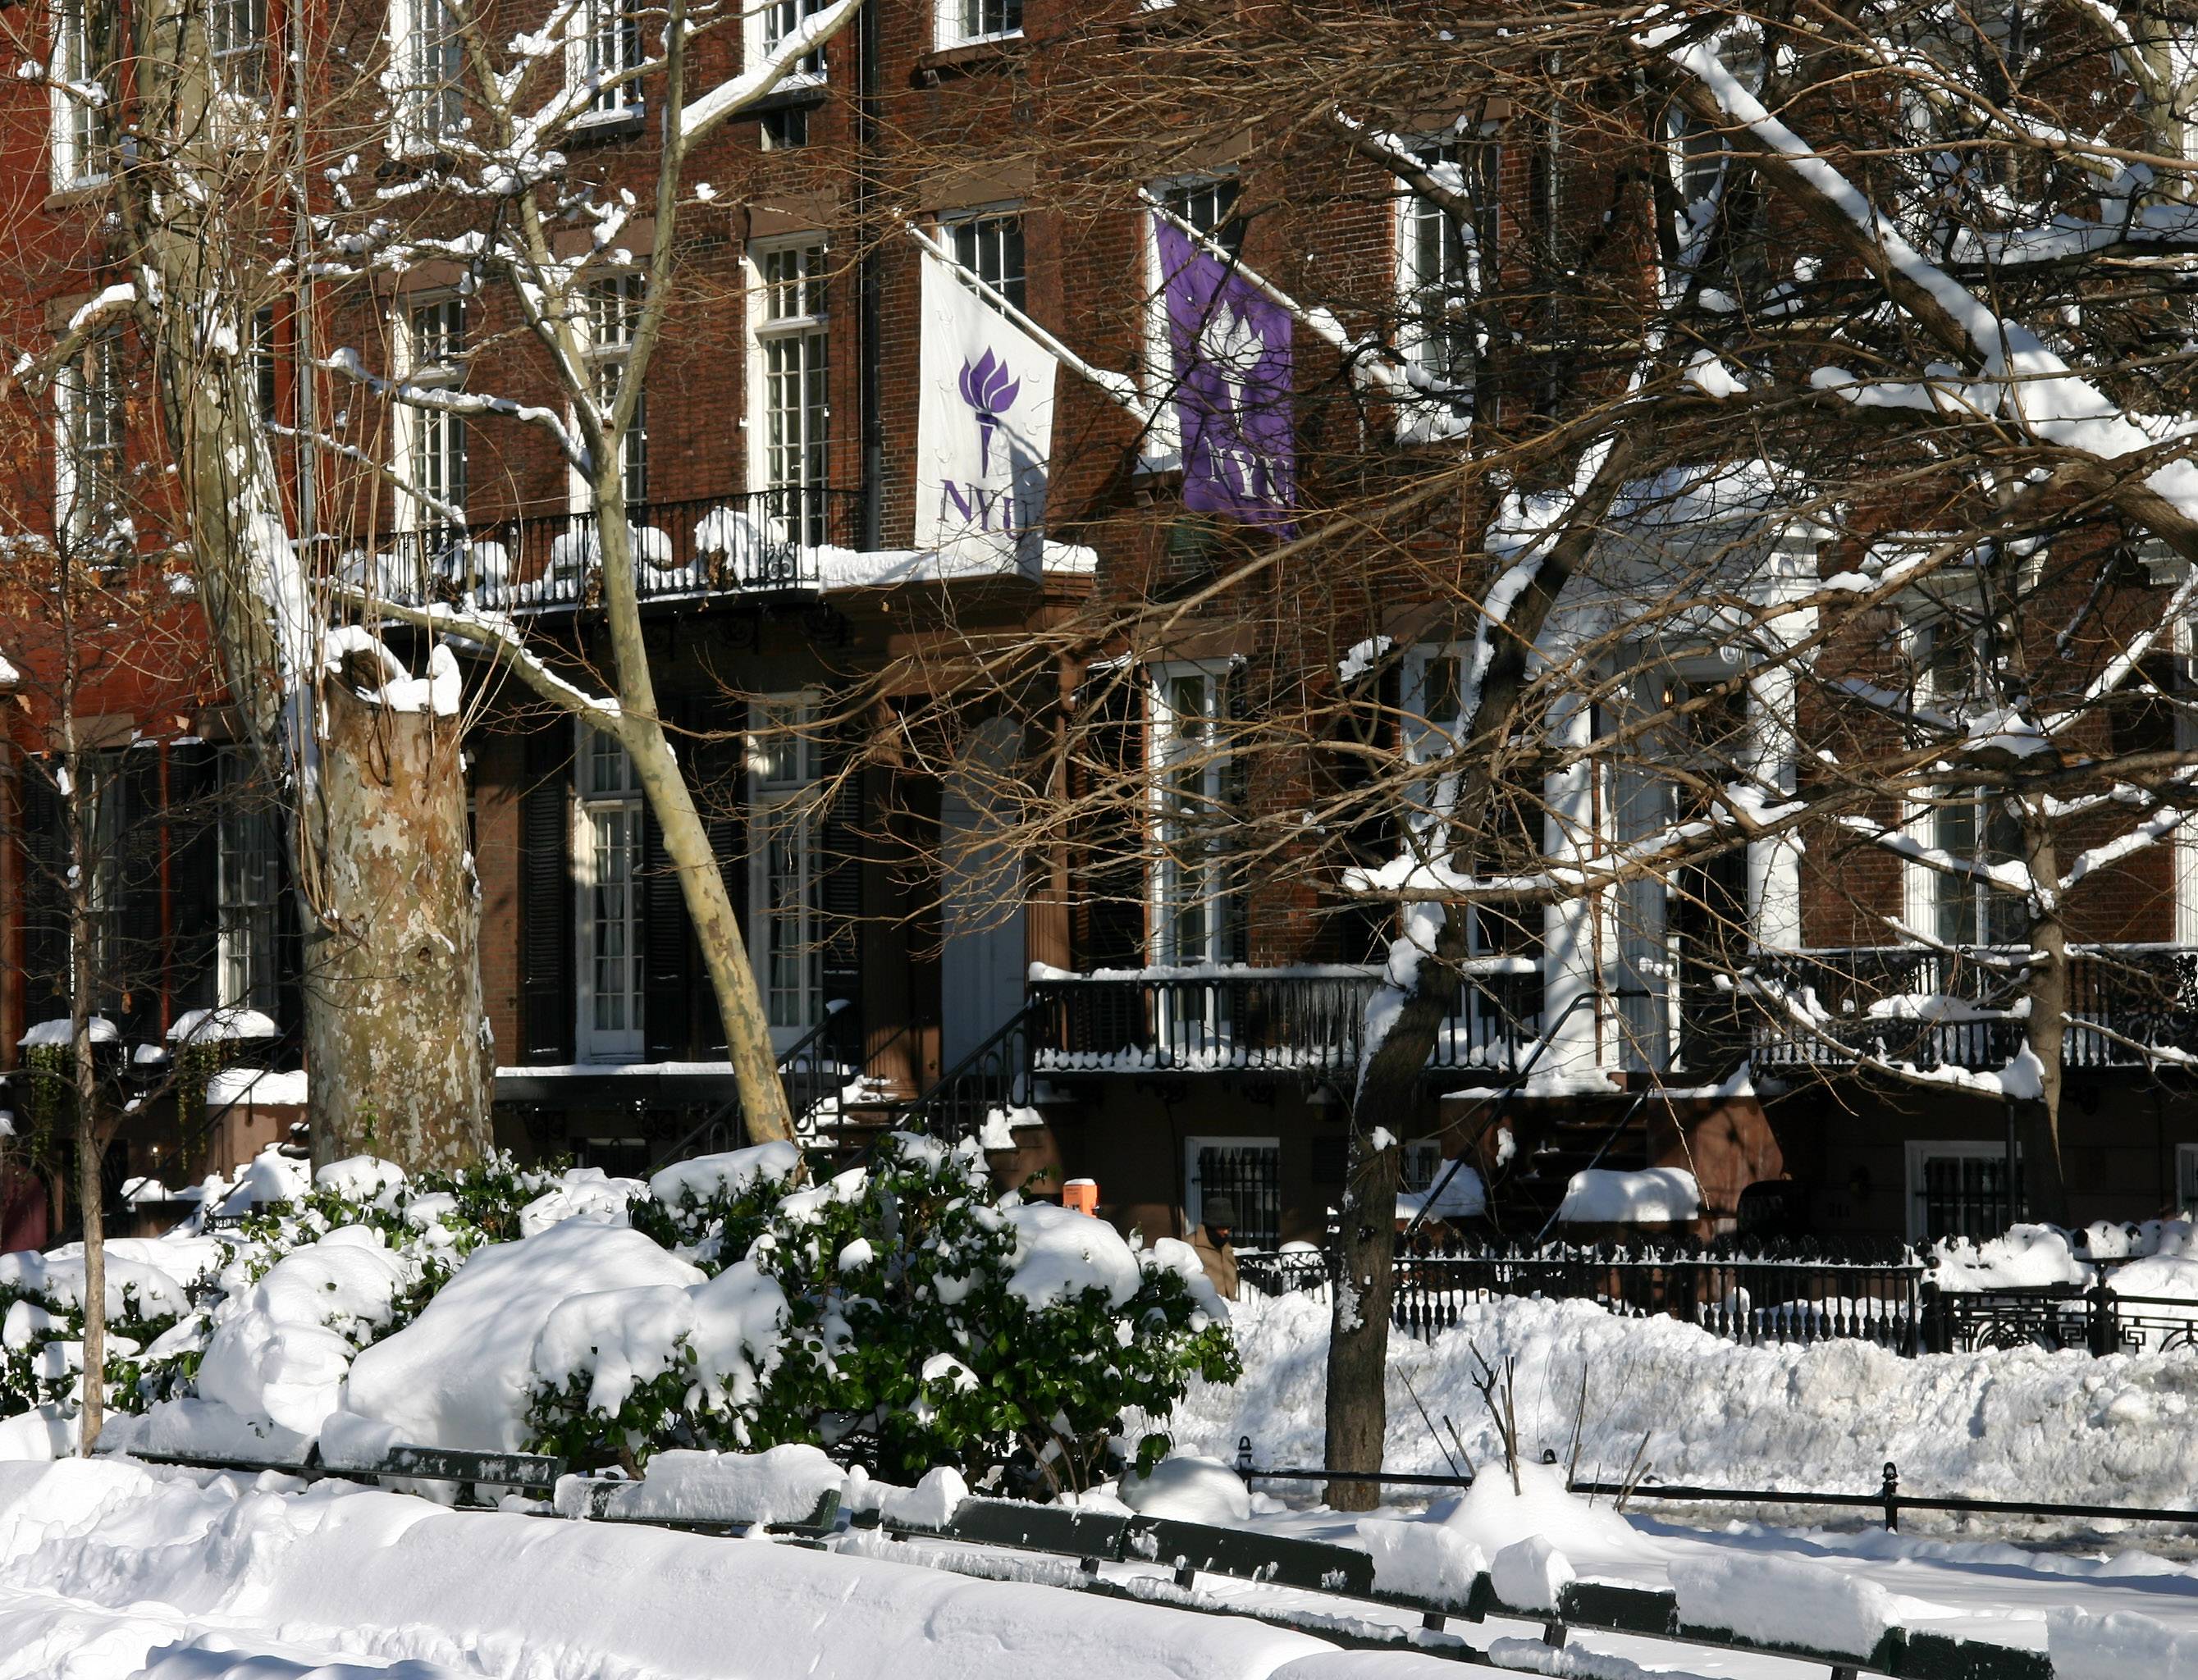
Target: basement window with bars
{"type": "Point", "coordinates": [1248, 1171]}
{"type": "Point", "coordinates": [1961, 1189]}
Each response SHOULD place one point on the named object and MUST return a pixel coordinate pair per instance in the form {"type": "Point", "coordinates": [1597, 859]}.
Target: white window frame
{"type": "Point", "coordinates": [963, 23]}
{"type": "Point", "coordinates": [72, 129]}
{"type": "Point", "coordinates": [1163, 440]}
{"type": "Point", "coordinates": [770, 23]}
{"type": "Point", "coordinates": [1921, 884]}
{"type": "Point", "coordinates": [1917, 1150]}
{"type": "Point", "coordinates": [591, 22]}
{"type": "Point", "coordinates": [1432, 416]}
{"type": "Point", "coordinates": [239, 60]}
{"type": "Point", "coordinates": [426, 73]}
{"type": "Point", "coordinates": [417, 432]}
{"type": "Point", "coordinates": [611, 315]}
{"type": "Point", "coordinates": [90, 423]}
{"type": "Point", "coordinates": [966, 234]}
{"type": "Point", "coordinates": [596, 1042]}
{"type": "Point", "coordinates": [801, 509]}
{"type": "Point", "coordinates": [783, 770]}
{"type": "Point", "coordinates": [1193, 1194]}
{"type": "Point", "coordinates": [248, 923]}
{"type": "Point", "coordinates": [1164, 731]}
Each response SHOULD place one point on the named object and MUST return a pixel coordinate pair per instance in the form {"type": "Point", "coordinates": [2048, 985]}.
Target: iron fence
{"type": "Point", "coordinates": [1307, 1020]}
{"type": "Point", "coordinates": [758, 543]}
{"type": "Point", "coordinates": [1960, 1008]}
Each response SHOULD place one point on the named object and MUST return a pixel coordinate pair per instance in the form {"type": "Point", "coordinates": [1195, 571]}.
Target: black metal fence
{"type": "Point", "coordinates": [1307, 1020]}
{"type": "Point", "coordinates": [758, 543]}
{"type": "Point", "coordinates": [1755, 1291]}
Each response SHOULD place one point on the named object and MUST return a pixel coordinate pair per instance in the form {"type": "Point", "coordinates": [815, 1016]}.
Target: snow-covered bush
{"type": "Point", "coordinates": [904, 1315]}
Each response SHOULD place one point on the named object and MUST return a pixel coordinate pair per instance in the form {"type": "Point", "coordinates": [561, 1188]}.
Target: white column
{"type": "Point", "coordinates": [1774, 865]}
{"type": "Point", "coordinates": [1568, 925]}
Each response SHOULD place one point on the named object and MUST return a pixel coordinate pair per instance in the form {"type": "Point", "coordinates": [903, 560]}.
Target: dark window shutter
{"type": "Point", "coordinates": [45, 910]}
{"type": "Point", "coordinates": [719, 784]}
{"type": "Point", "coordinates": [840, 875]}
{"type": "Point", "coordinates": [1109, 761]}
{"type": "Point", "coordinates": [668, 970]}
{"type": "Point", "coordinates": [194, 873]}
{"type": "Point", "coordinates": [140, 957]}
{"type": "Point", "coordinates": [546, 905]}
{"type": "Point", "coordinates": [1236, 798]}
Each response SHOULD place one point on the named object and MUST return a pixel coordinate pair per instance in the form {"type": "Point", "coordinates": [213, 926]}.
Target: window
{"type": "Point", "coordinates": [427, 63]}
{"type": "Point", "coordinates": [614, 306]}
{"type": "Point", "coordinates": [1195, 915]}
{"type": "Point", "coordinates": [783, 869]}
{"type": "Point", "coordinates": [264, 393]}
{"type": "Point", "coordinates": [236, 36]}
{"type": "Point", "coordinates": [1954, 660]}
{"type": "Point", "coordinates": [79, 155]}
{"type": "Point", "coordinates": [250, 843]}
{"type": "Point", "coordinates": [1248, 1171]}
{"type": "Point", "coordinates": [965, 21]}
{"type": "Point", "coordinates": [88, 461]}
{"type": "Point", "coordinates": [608, 854]}
{"type": "Point", "coordinates": [792, 353]}
{"type": "Point", "coordinates": [432, 348]}
{"type": "Point", "coordinates": [607, 55]}
{"type": "Point", "coordinates": [990, 246]}
{"type": "Point", "coordinates": [1960, 1188]}
{"type": "Point", "coordinates": [774, 21]}
{"type": "Point", "coordinates": [1439, 267]}
{"type": "Point", "coordinates": [1207, 203]}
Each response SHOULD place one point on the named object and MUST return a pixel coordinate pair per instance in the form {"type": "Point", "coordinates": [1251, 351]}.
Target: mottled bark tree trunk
{"type": "Point", "coordinates": [395, 1032]}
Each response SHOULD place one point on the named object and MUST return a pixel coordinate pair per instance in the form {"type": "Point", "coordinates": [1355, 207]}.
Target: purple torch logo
{"type": "Point", "coordinates": [987, 389]}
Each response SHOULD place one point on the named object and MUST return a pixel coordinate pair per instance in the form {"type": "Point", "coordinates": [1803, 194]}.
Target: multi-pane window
{"type": "Point", "coordinates": [262, 365]}
{"type": "Point", "coordinates": [614, 306]}
{"type": "Point", "coordinates": [1249, 1171]}
{"type": "Point", "coordinates": [89, 465]}
{"type": "Point", "coordinates": [1960, 1189]}
{"type": "Point", "coordinates": [1968, 826]}
{"type": "Point", "coordinates": [250, 885]}
{"type": "Point", "coordinates": [610, 53]}
{"type": "Point", "coordinates": [1440, 260]}
{"type": "Point", "coordinates": [236, 36]}
{"type": "Point", "coordinates": [778, 19]}
{"type": "Point", "coordinates": [434, 346]}
{"type": "Point", "coordinates": [960, 21]}
{"type": "Point", "coordinates": [610, 931]}
{"type": "Point", "coordinates": [427, 54]}
{"type": "Point", "coordinates": [76, 130]}
{"type": "Point", "coordinates": [1209, 206]}
{"type": "Point", "coordinates": [783, 879]}
{"type": "Point", "coordinates": [1194, 903]}
{"type": "Point", "coordinates": [792, 343]}
{"type": "Point", "coordinates": [991, 248]}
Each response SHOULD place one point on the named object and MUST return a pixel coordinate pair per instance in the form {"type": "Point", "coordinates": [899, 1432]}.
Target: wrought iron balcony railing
{"type": "Point", "coordinates": [761, 542]}
{"type": "Point", "coordinates": [1231, 1018]}
{"type": "Point", "coordinates": [1964, 1008]}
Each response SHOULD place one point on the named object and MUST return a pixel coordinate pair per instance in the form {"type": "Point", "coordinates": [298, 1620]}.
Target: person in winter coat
{"type": "Point", "coordinates": [1212, 1240]}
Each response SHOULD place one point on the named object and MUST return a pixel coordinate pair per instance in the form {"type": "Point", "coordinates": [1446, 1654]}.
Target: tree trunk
{"type": "Point", "coordinates": [1358, 1333]}
{"type": "Point", "coordinates": [2037, 1119]}
{"type": "Point", "coordinates": [396, 1038]}
{"type": "Point", "coordinates": [92, 1385]}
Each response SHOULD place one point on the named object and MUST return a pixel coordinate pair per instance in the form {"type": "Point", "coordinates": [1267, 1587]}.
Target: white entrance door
{"type": "Point", "coordinates": [985, 959]}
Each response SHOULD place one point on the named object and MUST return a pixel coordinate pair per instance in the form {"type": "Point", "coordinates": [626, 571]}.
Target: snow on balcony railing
{"type": "Point", "coordinates": [760, 542]}
{"type": "Point", "coordinates": [1226, 1018]}
{"type": "Point", "coordinates": [1965, 1008]}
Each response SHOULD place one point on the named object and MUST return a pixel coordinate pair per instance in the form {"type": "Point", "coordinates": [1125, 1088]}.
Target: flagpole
{"type": "Point", "coordinates": [1318, 321]}
{"type": "Point", "coordinates": [1120, 388]}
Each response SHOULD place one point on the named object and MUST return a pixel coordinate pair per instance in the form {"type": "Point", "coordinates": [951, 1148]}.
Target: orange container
{"type": "Point", "coordinates": [1082, 1194]}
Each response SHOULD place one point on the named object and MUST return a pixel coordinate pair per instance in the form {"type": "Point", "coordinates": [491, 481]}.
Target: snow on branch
{"type": "Point", "coordinates": [705, 114]}
{"type": "Point", "coordinates": [502, 638]}
{"type": "Point", "coordinates": [2009, 876]}
{"type": "Point", "coordinates": [346, 362]}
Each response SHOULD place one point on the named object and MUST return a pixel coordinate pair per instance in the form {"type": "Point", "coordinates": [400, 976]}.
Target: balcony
{"type": "Point", "coordinates": [1307, 1020]}
{"type": "Point", "coordinates": [761, 545]}
{"type": "Point", "coordinates": [1964, 1008]}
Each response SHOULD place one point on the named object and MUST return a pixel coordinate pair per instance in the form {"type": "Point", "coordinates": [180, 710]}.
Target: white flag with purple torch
{"type": "Point", "coordinates": [984, 428]}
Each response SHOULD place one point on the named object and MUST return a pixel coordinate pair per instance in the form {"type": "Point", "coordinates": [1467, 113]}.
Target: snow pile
{"type": "Point", "coordinates": [784, 1484]}
{"type": "Point", "coordinates": [585, 1193]}
{"type": "Point", "coordinates": [459, 1375]}
{"type": "Point", "coordinates": [1656, 1196]}
{"type": "Point", "coordinates": [2157, 1259]}
{"type": "Point", "coordinates": [1421, 1559]}
{"type": "Point", "coordinates": [280, 1353]}
{"type": "Point", "coordinates": [2116, 1645]}
{"type": "Point", "coordinates": [206, 1026]}
{"type": "Point", "coordinates": [1785, 1600]}
{"type": "Point", "coordinates": [269, 1178]}
{"type": "Point", "coordinates": [232, 1087]}
{"type": "Point", "coordinates": [58, 1276]}
{"type": "Point", "coordinates": [2020, 1423]}
{"type": "Point", "coordinates": [1060, 1253]}
{"type": "Point", "coordinates": [1189, 1489]}
{"type": "Point", "coordinates": [709, 1177]}
{"type": "Point", "coordinates": [1455, 1194]}
{"type": "Point", "coordinates": [2027, 1257]}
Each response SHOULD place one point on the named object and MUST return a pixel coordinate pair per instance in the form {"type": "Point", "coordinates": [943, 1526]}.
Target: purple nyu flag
{"type": "Point", "coordinates": [1231, 348]}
